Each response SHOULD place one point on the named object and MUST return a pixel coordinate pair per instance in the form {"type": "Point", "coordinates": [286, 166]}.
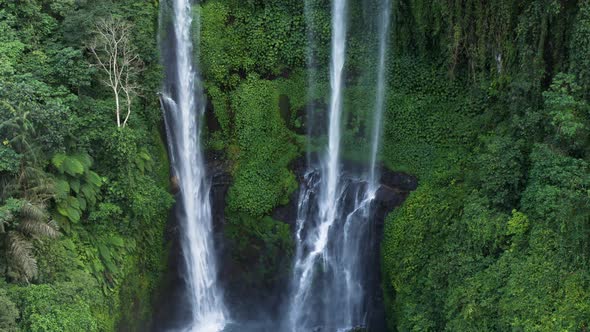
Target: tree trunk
{"type": "Point", "coordinates": [118, 107]}
{"type": "Point", "coordinates": [128, 108]}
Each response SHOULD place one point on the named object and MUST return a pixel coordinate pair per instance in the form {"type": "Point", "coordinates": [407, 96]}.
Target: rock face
{"type": "Point", "coordinates": [264, 302]}
{"type": "Point", "coordinates": [221, 180]}
{"type": "Point", "coordinates": [171, 305]}
{"type": "Point", "coordinates": [174, 185]}
{"type": "Point", "coordinates": [395, 188]}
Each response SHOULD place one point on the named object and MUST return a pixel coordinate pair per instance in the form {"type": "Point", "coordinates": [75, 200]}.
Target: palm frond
{"type": "Point", "coordinates": [6, 218]}
{"type": "Point", "coordinates": [10, 189]}
{"type": "Point", "coordinates": [21, 255]}
{"type": "Point", "coordinates": [36, 184]}
{"type": "Point", "coordinates": [34, 174]}
{"type": "Point", "coordinates": [39, 229]}
{"type": "Point", "coordinates": [7, 187]}
{"type": "Point", "coordinates": [35, 212]}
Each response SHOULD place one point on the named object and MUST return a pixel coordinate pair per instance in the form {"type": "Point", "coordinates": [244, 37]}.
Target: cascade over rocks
{"type": "Point", "coordinates": [395, 188]}
{"type": "Point", "coordinates": [248, 303]}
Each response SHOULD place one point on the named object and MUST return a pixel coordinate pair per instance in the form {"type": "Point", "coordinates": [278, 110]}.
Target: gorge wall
{"type": "Point", "coordinates": [449, 79]}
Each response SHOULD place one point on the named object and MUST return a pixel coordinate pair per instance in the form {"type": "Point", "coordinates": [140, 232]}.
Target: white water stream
{"type": "Point", "coordinates": [380, 94]}
{"type": "Point", "coordinates": [184, 106]}
{"type": "Point", "coordinates": [333, 235]}
{"type": "Point", "coordinates": [329, 191]}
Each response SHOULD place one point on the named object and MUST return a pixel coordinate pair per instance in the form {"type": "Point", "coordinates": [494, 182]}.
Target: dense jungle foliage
{"type": "Point", "coordinates": [497, 236]}
{"type": "Point", "coordinates": [487, 104]}
{"type": "Point", "coordinates": [83, 203]}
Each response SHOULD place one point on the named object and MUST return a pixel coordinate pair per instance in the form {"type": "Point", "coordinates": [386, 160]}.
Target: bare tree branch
{"type": "Point", "coordinates": [118, 60]}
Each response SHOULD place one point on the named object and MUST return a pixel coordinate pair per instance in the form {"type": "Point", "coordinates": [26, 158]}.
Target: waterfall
{"type": "Point", "coordinates": [183, 104]}
{"type": "Point", "coordinates": [380, 94]}
{"type": "Point", "coordinates": [334, 233]}
{"type": "Point", "coordinates": [311, 71]}
{"type": "Point", "coordinates": [313, 248]}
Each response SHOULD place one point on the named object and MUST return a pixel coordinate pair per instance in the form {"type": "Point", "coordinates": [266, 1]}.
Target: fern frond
{"type": "Point", "coordinates": [73, 166]}
{"type": "Point", "coordinates": [75, 185]}
{"type": "Point", "coordinates": [93, 178]}
{"type": "Point", "coordinates": [85, 160]}
{"type": "Point", "coordinates": [58, 161]}
{"type": "Point", "coordinates": [21, 254]}
{"type": "Point", "coordinates": [62, 189]}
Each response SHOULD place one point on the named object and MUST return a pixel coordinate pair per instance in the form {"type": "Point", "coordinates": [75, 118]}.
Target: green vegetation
{"type": "Point", "coordinates": [496, 238]}
{"type": "Point", "coordinates": [83, 203]}
{"type": "Point", "coordinates": [488, 104]}
{"type": "Point", "coordinates": [250, 51]}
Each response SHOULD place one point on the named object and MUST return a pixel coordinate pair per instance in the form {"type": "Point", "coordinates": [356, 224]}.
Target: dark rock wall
{"type": "Point", "coordinates": [244, 301]}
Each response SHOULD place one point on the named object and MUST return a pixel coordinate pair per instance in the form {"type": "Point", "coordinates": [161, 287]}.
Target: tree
{"type": "Point", "coordinates": [119, 60]}
{"type": "Point", "coordinates": [23, 200]}
{"type": "Point", "coordinates": [568, 113]}
{"type": "Point", "coordinates": [8, 314]}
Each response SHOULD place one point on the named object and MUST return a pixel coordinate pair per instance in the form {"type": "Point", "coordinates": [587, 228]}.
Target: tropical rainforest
{"type": "Point", "coordinates": [488, 106]}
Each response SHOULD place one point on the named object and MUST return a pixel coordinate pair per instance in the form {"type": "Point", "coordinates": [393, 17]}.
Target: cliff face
{"type": "Point", "coordinates": [477, 102]}
{"type": "Point", "coordinates": [253, 299]}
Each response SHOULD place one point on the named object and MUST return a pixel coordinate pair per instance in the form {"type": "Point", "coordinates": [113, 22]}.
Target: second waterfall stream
{"type": "Point", "coordinates": [333, 229]}
{"type": "Point", "coordinates": [184, 104]}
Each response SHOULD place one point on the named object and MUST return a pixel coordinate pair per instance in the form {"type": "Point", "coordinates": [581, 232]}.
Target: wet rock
{"type": "Point", "coordinates": [174, 185]}
{"type": "Point", "coordinates": [394, 189]}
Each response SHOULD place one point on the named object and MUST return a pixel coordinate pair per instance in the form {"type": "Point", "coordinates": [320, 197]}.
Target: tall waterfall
{"type": "Point", "coordinates": [380, 93]}
{"type": "Point", "coordinates": [334, 235]}
{"type": "Point", "coordinates": [313, 246]}
{"type": "Point", "coordinates": [183, 104]}
{"type": "Point", "coordinates": [311, 71]}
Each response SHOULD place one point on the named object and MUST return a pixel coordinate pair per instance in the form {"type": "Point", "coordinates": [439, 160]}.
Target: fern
{"type": "Point", "coordinates": [58, 161]}
{"type": "Point", "coordinates": [73, 167]}
{"type": "Point", "coordinates": [89, 193]}
{"type": "Point", "coordinates": [77, 186]}
{"type": "Point", "coordinates": [107, 259]}
{"type": "Point", "coordinates": [85, 160]}
{"type": "Point", "coordinates": [144, 161]}
{"type": "Point", "coordinates": [82, 202]}
{"type": "Point", "coordinates": [70, 208]}
{"type": "Point", "coordinates": [93, 179]}
{"type": "Point", "coordinates": [62, 189]}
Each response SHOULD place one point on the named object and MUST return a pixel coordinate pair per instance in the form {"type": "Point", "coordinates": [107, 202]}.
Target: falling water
{"type": "Point", "coordinates": [380, 94]}
{"type": "Point", "coordinates": [334, 233]}
{"type": "Point", "coordinates": [311, 71]}
{"type": "Point", "coordinates": [313, 247]}
{"type": "Point", "coordinates": [183, 105]}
